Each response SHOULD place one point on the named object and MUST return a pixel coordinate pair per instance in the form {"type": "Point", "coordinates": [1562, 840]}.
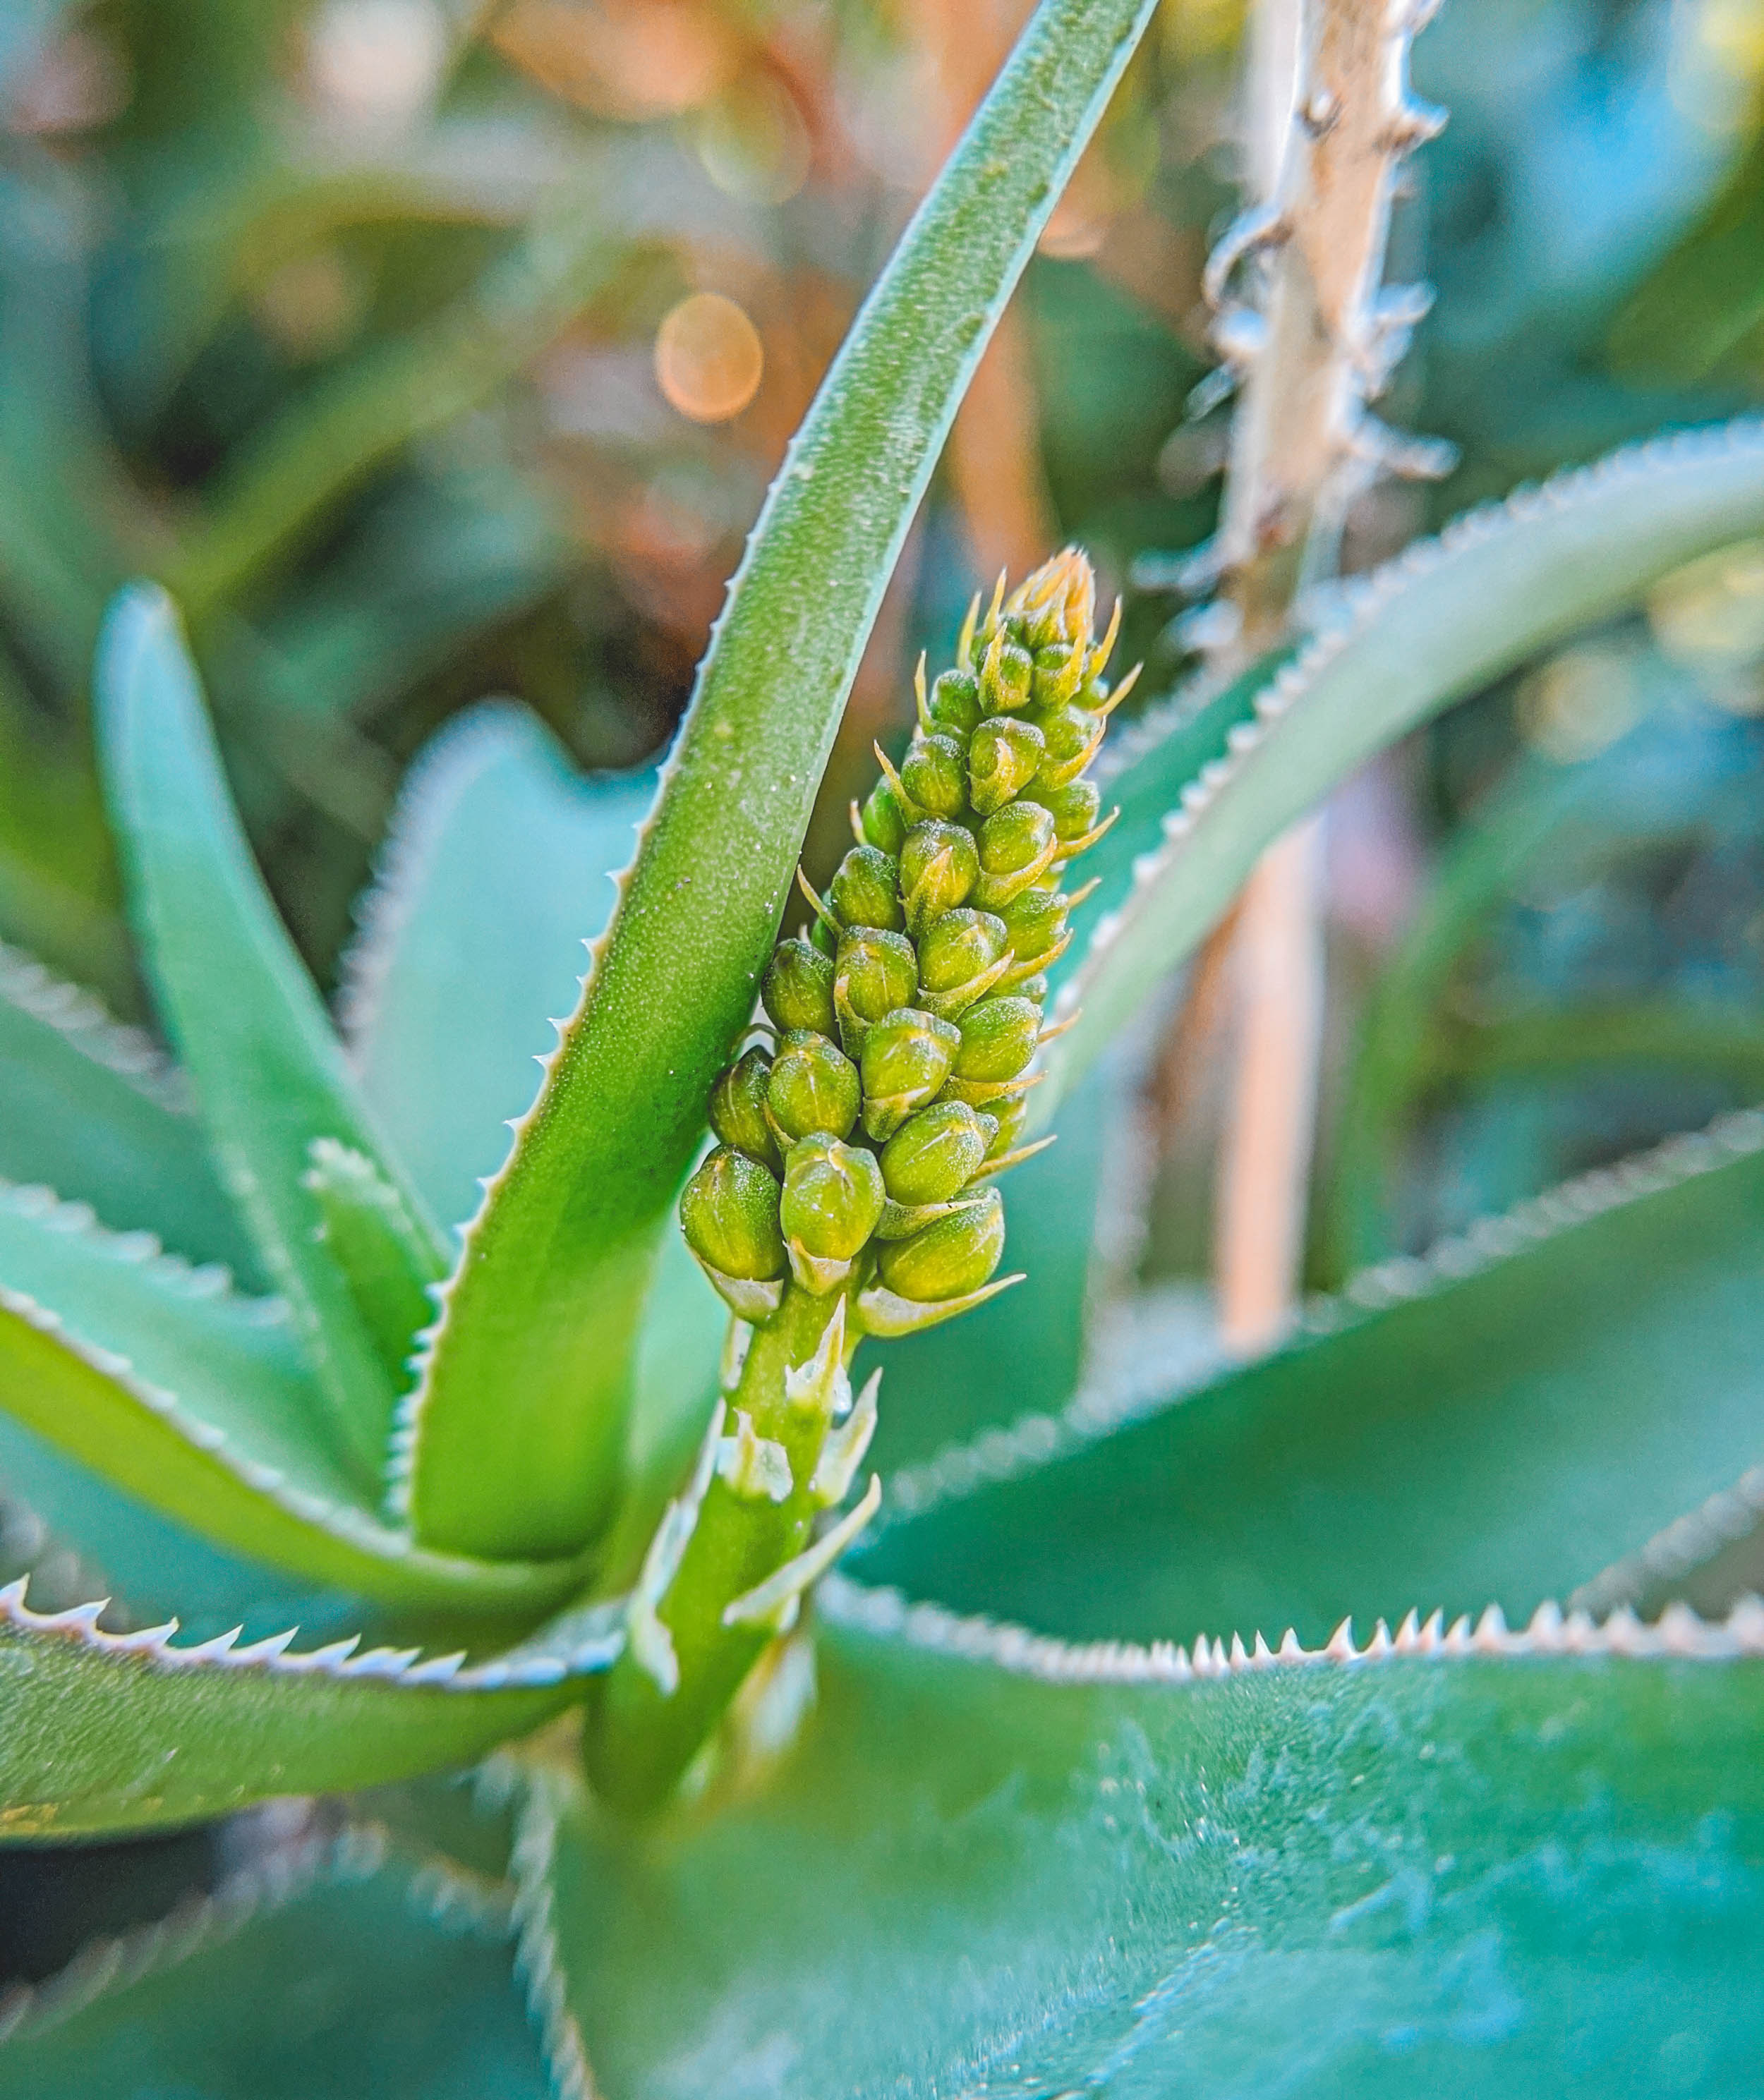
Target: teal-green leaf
{"type": "Point", "coordinates": [1509, 1878]}
{"type": "Point", "coordinates": [92, 1113]}
{"type": "Point", "coordinates": [200, 1403]}
{"type": "Point", "coordinates": [497, 870]}
{"type": "Point", "coordinates": [1443, 619]}
{"type": "Point", "coordinates": [1499, 1424]}
{"type": "Point", "coordinates": [339, 1967]}
{"type": "Point", "coordinates": [104, 1731]}
{"type": "Point", "coordinates": [269, 1074]}
{"type": "Point", "coordinates": [528, 1378]}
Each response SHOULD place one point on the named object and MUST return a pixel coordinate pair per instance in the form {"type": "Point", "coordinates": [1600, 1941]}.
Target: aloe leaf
{"type": "Point", "coordinates": [1437, 1873]}
{"type": "Point", "coordinates": [127, 1731]}
{"type": "Point", "coordinates": [527, 1381]}
{"type": "Point", "coordinates": [340, 1964]}
{"type": "Point", "coordinates": [93, 1111]}
{"type": "Point", "coordinates": [1547, 1393]}
{"type": "Point", "coordinates": [199, 1402]}
{"type": "Point", "coordinates": [498, 867]}
{"type": "Point", "coordinates": [270, 1073]}
{"type": "Point", "coordinates": [1443, 619]}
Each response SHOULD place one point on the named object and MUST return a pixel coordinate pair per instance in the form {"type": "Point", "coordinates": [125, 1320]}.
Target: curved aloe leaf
{"type": "Point", "coordinates": [114, 1732]}
{"type": "Point", "coordinates": [498, 867]}
{"type": "Point", "coordinates": [268, 1070]}
{"type": "Point", "coordinates": [520, 1422]}
{"type": "Point", "coordinates": [200, 1403]}
{"type": "Point", "coordinates": [92, 1112]}
{"type": "Point", "coordinates": [1433, 1873]}
{"type": "Point", "coordinates": [341, 1964]}
{"type": "Point", "coordinates": [1441, 621]}
{"type": "Point", "coordinates": [1547, 1392]}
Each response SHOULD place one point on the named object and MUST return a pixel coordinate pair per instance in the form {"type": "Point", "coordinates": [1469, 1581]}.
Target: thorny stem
{"type": "Point", "coordinates": [1303, 446]}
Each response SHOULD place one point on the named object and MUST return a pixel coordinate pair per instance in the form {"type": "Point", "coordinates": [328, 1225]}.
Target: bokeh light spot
{"type": "Point", "coordinates": [708, 358]}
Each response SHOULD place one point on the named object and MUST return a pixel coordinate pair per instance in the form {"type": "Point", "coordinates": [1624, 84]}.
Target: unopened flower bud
{"type": "Point", "coordinates": [933, 775]}
{"type": "Point", "coordinates": [864, 889]}
{"type": "Point", "coordinates": [1059, 671]}
{"type": "Point", "coordinates": [935, 1154]}
{"type": "Point", "coordinates": [946, 1260]}
{"type": "Point", "coordinates": [955, 704]}
{"type": "Point", "coordinates": [907, 1057]}
{"type": "Point", "coordinates": [1068, 736]}
{"type": "Point", "coordinates": [998, 1038]}
{"type": "Point", "coordinates": [1003, 757]}
{"type": "Point", "coordinates": [939, 865]}
{"type": "Point", "coordinates": [1017, 845]}
{"type": "Point", "coordinates": [1074, 808]}
{"type": "Point", "coordinates": [1005, 680]}
{"type": "Point", "coordinates": [1035, 923]}
{"type": "Point", "coordinates": [884, 821]}
{"type": "Point", "coordinates": [729, 1214]}
{"type": "Point", "coordinates": [959, 954]}
{"type": "Point", "coordinates": [1010, 1113]}
{"type": "Point", "coordinates": [822, 938]}
{"type": "Point", "coordinates": [738, 1108]}
{"type": "Point", "coordinates": [798, 987]}
{"type": "Point", "coordinates": [832, 1196]}
{"type": "Point", "coordinates": [876, 971]}
{"type": "Point", "coordinates": [813, 1087]}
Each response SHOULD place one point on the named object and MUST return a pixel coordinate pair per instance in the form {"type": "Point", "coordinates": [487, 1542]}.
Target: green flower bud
{"type": "Point", "coordinates": [876, 972]}
{"type": "Point", "coordinates": [955, 704]}
{"type": "Point", "coordinates": [1035, 988]}
{"type": "Point", "coordinates": [1074, 808]}
{"type": "Point", "coordinates": [1007, 674]}
{"type": "Point", "coordinates": [821, 937]}
{"type": "Point", "coordinates": [907, 1057]}
{"type": "Point", "coordinates": [813, 1087]}
{"type": "Point", "coordinates": [798, 987]}
{"type": "Point", "coordinates": [933, 774]}
{"type": "Point", "coordinates": [997, 1039]}
{"type": "Point", "coordinates": [935, 1154]}
{"type": "Point", "coordinates": [729, 1214]}
{"type": "Point", "coordinates": [1059, 671]}
{"type": "Point", "coordinates": [1069, 735]}
{"type": "Point", "coordinates": [884, 821]}
{"type": "Point", "coordinates": [738, 1108]}
{"type": "Point", "coordinates": [1035, 923]}
{"type": "Point", "coordinates": [833, 1197]}
{"type": "Point", "coordinates": [864, 889]}
{"type": "Point", "coordinates": [1017, 845]}
{"type": "Point", "coordinates": [960, 957]}
{"type": "Point", "coordinates": [950, 1258]}
{"type": "Point", "coordinates": [939, 865]}
{"type": "Point", "coordinates": [1010, 1113]}
{"type": "Point", "coordinates": [1002, 760]}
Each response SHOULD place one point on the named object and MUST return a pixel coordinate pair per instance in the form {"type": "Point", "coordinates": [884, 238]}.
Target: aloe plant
{"type": "Point", "coordinates": [1072, 1774]}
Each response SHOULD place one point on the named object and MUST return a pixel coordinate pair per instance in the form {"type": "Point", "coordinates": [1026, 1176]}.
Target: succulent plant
{"type": "Point", "coordinates": [1073, 1775]}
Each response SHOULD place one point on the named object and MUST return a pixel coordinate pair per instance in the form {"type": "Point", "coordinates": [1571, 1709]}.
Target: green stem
{"type": "Point", "coordinates": [641, 1737]}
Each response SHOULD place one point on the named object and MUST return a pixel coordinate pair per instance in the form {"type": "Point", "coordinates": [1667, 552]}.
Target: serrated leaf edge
{"type": "Point", "coordinates": [1678, 1634]}
{"type": "Point", "coordinates": [1094, 1413]}
{"type": "Point", "coordinates": [441, 1893]}
{"type": "Point", "coordinates": [88, 1026]}
{"type": "Point", "coordinates": [538, 1963]}
{"type": "Point", "coordinates": [1680, 1548]}
{"type": "Point", "coordinates": [1350, 612]}
{"type": "Point", "coordinates": [525, 1668]}
{"type": "Point", "coordinates": [355, 1854]}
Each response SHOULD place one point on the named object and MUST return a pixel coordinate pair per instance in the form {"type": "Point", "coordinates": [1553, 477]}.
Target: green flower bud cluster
{"type": "Point", "coordinates": [856, 1146]}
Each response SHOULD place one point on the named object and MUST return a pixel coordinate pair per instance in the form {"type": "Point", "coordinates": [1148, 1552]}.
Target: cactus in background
{"type": "Point", "coordinates": [851, 1191]}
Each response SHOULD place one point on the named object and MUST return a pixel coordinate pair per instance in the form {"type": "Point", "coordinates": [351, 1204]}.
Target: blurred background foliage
{"type": "Point", "coordinates": [434, 348]}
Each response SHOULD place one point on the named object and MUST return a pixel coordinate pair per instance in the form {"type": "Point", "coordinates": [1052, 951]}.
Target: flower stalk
{"type": "Point", "coordinates": [860, 1126]}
